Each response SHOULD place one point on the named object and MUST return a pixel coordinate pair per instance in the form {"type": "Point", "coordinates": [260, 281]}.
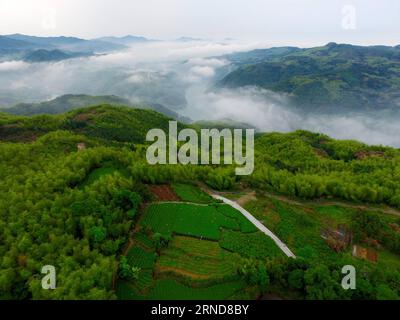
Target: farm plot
{"type": "Point", "coordinates": [299, 227]}
{"type": "Point", "coordinates": [188, 219]}
{"type": "Point", "coordinates": [199, 258]}
{"type": "Point", "coordinates": [141, 258]}
{"type": "Point", "coordinates": [197, 263]}
{"type": "Point", "coordinates": [167, 289]}
{"type": "Point", "coordinates": [144, 240]}
{"type": "Point", "coordinates": [164, 193]}
{"type": "Point", "coordinates": [252, 245]}
{"type": "Point", "coordinates": [189, 193]}
{"type": "Point", "coordinates": [245, 225]}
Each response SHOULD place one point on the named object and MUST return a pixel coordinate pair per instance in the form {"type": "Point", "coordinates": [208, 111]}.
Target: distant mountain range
{"type": "Point", "coordinates": [43, 55]}
{"type": "Point", "coordinates": [43, 49]}
{"type": "Point", "coordinates": [126, 40]}
{"type": "Point", "coordinates": [188, 39]}
{"type": "Point", "coordinates": [75, 101]}
{"type": "Point", "coordinates": [328, 79]}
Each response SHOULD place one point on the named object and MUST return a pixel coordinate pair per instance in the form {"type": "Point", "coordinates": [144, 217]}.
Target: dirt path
{"type": "Point", "coordinates": [181, 202]}
{"type": "Point", "coordinates": [250, 195]}
{"type": "Point", "coordinates": [324, 202]}
{"type": "Point", "coordinates": [246, 198]}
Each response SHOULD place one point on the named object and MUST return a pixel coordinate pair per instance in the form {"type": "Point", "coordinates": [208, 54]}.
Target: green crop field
{"type": "Point", "coordinates": [195, 264]}
{"type": "Point", "coordinates": [141, 258]}
{"type": "Point", "coordinates": [300, 227]}
{"type": "Point", "coordinates": [144, 239]}
{"type": "Point", "coordinates": [293, 225]}
{"type": "Point", "coordinates": [187, 219]}
{"type": "Point", "coordinates": [252, 245]}
{"type": "Point", "coordinates": [199, 257]}
{"type": "Point", "coordinates": [189, 193]}
{"type": "Point", "coordinates": [244, 223]}
{"type": "Point", "coordinates": [170, 289]}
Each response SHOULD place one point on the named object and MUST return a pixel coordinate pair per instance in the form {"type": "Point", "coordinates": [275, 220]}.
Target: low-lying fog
{"type": "Point", "coordinates": [180, 75]}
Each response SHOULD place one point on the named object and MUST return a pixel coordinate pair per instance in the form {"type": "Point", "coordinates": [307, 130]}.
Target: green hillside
{"type": "Point", "coordinates": [76, 193]}
{"type": "Point", "coordinates": [119, 124]}
{"type": "Point", "coordinates": [332, 78]}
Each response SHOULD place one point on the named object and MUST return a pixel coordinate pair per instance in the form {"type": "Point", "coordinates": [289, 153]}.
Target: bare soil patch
{"type": "Point", "coordinates": [164, 193]}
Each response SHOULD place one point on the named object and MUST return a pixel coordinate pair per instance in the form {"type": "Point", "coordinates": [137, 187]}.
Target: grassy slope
{"type": "Point", "coordinates": [189, 193]}
{"type": "Point", "coordinates": [300, 225]}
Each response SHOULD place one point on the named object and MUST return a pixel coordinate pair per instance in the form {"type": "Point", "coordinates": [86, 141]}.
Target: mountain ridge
{"type": "Point", "coordinates": [331, 78]}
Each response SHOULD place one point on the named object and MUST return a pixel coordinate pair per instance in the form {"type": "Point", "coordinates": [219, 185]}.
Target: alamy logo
{"type": "Point", "coordinates": [49, 280]}
{"type": "Point", "coordinates": [349, 19]}
{"type": "Point", "coordinates": [189, 152]}
{"type": "Point", "coordinates": [349, 280]}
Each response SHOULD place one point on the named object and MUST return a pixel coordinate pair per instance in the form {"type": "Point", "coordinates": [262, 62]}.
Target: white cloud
{"type": "Point", "coordinates": [13, 66]}
{"type": "Point", "coordinates": [203, 71]}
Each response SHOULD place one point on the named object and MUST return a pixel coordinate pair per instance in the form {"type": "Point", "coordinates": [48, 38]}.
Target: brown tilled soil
{"type": "Point", "coordinates": [246, 198]}
{"type": "Point", "coordinates": [164, 193]}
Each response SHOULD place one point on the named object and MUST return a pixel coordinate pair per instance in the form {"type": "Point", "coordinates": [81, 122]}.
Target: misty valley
{"type": "Point", "coordinates": [325, 89]}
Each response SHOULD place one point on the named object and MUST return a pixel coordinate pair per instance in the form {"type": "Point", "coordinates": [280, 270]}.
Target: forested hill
{"type": "Point", "coordinates": [110, 123]}
{"type": "Point", "coordinates": [70, 102]}
{"type": "Point", "coordinates": [71, 185]}
{"type": "Point", "coordinates": [331, 78]}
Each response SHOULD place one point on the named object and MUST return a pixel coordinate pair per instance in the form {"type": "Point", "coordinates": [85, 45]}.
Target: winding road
{"type": "Point", "coordinates": [257, 224]}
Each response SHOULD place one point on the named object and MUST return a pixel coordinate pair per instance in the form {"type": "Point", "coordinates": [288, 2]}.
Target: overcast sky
{"type": "Point", "coordinates": [300, 22]}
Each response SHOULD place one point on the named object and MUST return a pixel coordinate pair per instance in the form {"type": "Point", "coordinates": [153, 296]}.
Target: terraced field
{"type": "Point", "coordinates": [197, 262]}
{"type": "Point", "coordinates": [250, 245]}
{"type": "Point", "coordinates": [200, 258]}
{"type": "Point", "coordinates": [168, 289]}
{"type": "Point", "coordinates": [141, 258]}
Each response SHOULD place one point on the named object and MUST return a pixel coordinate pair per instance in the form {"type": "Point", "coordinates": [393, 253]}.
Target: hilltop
{"type": "Point", "coordinates": [111, 123]}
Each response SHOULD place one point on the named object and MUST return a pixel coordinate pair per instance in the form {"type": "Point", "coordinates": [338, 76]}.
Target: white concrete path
{"type": "Point", "coordinates": [257, 224]}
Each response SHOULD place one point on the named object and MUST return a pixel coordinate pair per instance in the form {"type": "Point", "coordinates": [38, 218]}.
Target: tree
{"type": "Point", "coordinates": [127, 271]}
{"type": "Point", "coordinates": [384, 292]}
{"type": "Point", "coordinates": [296, 279]}
{"type": "Point", "coordinates": [161, 240]}
{"type": "Point", "coordinates": [98, 234]}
